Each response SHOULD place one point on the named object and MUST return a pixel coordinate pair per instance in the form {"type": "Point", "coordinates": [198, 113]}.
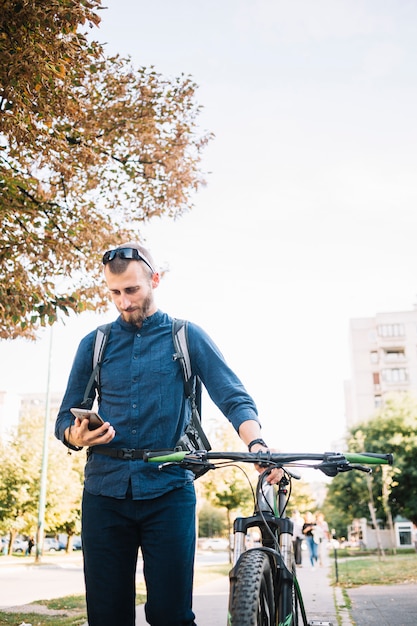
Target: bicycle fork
{"type": "Point", "coordinates": [291, 596]}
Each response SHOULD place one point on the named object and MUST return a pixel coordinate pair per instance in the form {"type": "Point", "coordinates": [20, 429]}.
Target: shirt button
{"type": "Point", "coordinates": [133, 432]}
{"type": "Point", "coordinates": [134, 406]}
{"type": "Point", "coordinates": [138, 335]}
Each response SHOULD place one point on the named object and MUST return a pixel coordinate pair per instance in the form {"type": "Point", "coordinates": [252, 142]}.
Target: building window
{"type": "Point", "coordinates": [391, 330]}
{"type": "Point", "coordinates": [395, 375]}
{"type": "Point", "coordinates": [374, 356]}
{"type": "Point", "coordinates": [394, 355]}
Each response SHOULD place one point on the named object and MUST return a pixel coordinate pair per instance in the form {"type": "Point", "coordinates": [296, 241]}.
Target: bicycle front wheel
{"type": "Point", "coordinates": [252, 600]}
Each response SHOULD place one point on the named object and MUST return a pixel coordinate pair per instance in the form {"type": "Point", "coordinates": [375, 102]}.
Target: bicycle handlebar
{"type": "Point", "coordinates": [331, 463]}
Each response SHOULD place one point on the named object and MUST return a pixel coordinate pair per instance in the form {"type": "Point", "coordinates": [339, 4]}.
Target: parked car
{"type": "Point", "coordinates": [50, 544]}
{"type": "Point", "coordinates": [76, 542]}
{"type": "Point", "coordinates": [19, 545]}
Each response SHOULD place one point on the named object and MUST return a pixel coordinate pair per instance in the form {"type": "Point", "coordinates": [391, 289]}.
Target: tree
{"type": "Point", "coordinates": [302, 498]}
{"type": "Point", "coordinates": [211, 521]}
{"type": "Point", "coordinates": [347, 498]}
{"type": "Point", "coordinates": [90, 147]}
{"type": "Point", "coordinates": [17, 507]}
{"type": "Point", "coordinates": [227, 488]}
{"type": "Point", "coordinates": [20, 468]}
{"type": "Point", "coordinates": [392, 429]}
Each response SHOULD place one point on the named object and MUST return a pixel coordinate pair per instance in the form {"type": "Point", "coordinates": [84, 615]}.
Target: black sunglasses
{"type": "Point", "coordinates": [125, 253]}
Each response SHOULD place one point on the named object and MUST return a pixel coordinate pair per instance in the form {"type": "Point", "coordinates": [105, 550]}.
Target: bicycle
{"type": "Point", "coordinates": [264, 590]}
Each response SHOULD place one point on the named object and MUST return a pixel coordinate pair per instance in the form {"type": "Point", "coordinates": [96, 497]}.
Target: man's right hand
{"type": "Point", "coordinates": [80, 435]}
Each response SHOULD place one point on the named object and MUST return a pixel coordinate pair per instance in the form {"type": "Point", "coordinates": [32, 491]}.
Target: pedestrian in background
{"type": "Point", "coordinates": [31, 543]}
{"type": "Point", "coordinates": [298, 537]}
{"type": "Point", "coordinates": [321, 537]}
{"type": "Point", "coordinates": [308, 532]}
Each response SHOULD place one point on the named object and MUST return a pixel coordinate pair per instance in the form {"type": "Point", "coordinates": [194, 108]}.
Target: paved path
{"type": "Point", "coordinates": [318, 595]}
{"type": "Point", "coordinates": [384, 605]}
{"type": "Point", "coordinates": [23, 582]}
{"type": "Point", "coordinates": [211, 599]}
{"type": "Point", "coordinates": [210, 604]}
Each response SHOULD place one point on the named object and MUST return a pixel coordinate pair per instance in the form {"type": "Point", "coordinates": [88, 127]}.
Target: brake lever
{"type": "Point", "coordinates": [167, 464]}
{"type": "Point", "coordinates": [362, 468]}
{"type": "Point", "coordinates": [294, 475]}
{"type": "Point", "coordinates": [189, 465]}
{"type": "Point", "coordinates": [333, 469]}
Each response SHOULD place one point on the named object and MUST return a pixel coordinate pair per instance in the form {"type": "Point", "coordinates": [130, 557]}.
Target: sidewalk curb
{"type": "Point", "coordinates": [342, 609]}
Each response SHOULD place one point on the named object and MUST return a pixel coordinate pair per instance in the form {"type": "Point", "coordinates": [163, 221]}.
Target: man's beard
{"type": "Point", "coordinates": [138, 314]}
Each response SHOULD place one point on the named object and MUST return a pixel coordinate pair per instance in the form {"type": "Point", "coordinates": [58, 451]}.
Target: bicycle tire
{"type": "Point", "coordinates": [252, 600]}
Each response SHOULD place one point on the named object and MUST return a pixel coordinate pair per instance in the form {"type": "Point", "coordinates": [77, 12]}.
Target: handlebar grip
{"type": "Point", "coordinates": [164, 456]}
{"type": "Point", "coordinates": [369, 458]}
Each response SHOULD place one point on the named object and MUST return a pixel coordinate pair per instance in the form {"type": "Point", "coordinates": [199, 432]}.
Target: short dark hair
{"type": "Point", "coordinates": [119, 265]}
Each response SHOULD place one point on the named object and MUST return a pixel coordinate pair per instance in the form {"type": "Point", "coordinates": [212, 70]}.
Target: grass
{"type": "Point", "coordinates": [74, 609]}
{"type": "Point", "coordinates": [374, 570]}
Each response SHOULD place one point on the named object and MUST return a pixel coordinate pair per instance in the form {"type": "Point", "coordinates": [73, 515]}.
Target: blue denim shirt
{"type": "Point", "coordinates": [142, 396]}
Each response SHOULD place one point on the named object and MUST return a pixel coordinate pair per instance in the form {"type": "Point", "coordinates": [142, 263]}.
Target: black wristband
{"type": "Point", "coordinates": [260, 441]}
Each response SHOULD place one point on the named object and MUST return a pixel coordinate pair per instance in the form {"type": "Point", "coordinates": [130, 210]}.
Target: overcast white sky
{"type": "Point", "coordinates": [309, 216]}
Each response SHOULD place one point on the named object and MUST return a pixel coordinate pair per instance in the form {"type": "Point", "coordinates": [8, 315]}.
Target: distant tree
{"type": "Point", "coordinates": [347, 498]}
{"type": "Point", "coordinates": [20, 469]}
{"type": "Point", "coordinates": [90, 148]}
{"type": "Point", "coordinates": [212, 521]}
{"type": "Point", "coordinates": [302, 497]}
{"type": "Point", "coordinates": [228, 488]}
{"type": "Point", "coordinates": [232, 497]}
{"type": "Point", "coordinates": [392, 429]}
{"type": "Point", "coordinates": [64, 493]}
{"type": "Point", "coordinates": [17, 506]}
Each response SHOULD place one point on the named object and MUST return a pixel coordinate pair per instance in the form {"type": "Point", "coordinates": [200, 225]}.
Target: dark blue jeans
{"type": "Point", "coordinates": [312, 549]}
{"type": "Point", "coordinates": [112, 532]}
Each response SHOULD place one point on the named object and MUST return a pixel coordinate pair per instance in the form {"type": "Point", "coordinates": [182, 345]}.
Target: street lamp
{"type": "Point", "coordinates": [44, 470]}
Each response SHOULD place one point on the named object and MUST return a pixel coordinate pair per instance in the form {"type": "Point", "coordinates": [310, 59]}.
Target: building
{"type": "Point", "coordinates": [13, 406]}
{"type": "Point", "coordinates": [362, 534]}
{"type": "Point", "coordinates": [9, 413]}
{"type": "Point", "coordinates": [383, 360]}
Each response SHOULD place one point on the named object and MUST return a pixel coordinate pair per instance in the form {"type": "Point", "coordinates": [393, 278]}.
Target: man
{"type": "Point", "coordinates": [127, 503]}
{"type": "Point", "coordinates": [298, 537]}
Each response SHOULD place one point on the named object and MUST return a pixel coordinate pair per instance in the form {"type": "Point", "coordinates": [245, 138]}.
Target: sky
{"type": "Point", "coordinates": [309, 215]}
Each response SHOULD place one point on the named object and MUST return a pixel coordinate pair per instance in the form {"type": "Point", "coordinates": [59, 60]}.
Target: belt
{"type": "Point", "coordinates": [118, 453]}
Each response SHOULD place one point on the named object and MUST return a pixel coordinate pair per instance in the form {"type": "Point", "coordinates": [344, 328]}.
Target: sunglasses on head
{"type": "Point", "coordinates": [125, 253]}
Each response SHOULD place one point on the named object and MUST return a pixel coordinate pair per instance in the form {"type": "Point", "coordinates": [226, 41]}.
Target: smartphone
{"type": "Point", "coordinates": [94, 419]}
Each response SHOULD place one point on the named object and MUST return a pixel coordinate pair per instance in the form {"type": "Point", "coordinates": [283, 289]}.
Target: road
{"type": "Point", "coordinates": [22, 581]}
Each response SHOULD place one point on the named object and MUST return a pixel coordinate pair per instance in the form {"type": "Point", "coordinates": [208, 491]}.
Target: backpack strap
{"type": "Point", "coordinates": [100, 342]}
{"type": "Point", "coordinates": [192, 388]}
{"type": "Point", "coordinates": [192, 384]}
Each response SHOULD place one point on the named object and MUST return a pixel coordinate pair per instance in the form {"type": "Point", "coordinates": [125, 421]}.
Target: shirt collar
{"type": "Point", "coordinates": [149, 322]}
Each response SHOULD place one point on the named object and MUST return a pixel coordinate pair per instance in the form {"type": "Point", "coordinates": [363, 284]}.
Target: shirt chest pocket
{"type": "Point", "coordinates": [162, 363]}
